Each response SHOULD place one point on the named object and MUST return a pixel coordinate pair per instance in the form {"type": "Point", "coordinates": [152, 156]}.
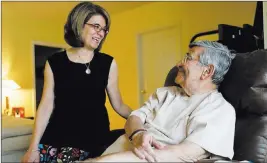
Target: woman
{"type": "Point", "coordinates": [75, 82]}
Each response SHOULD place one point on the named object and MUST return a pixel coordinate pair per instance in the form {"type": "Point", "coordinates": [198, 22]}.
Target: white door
{"type": "Point", "coordinates": [159, 50]}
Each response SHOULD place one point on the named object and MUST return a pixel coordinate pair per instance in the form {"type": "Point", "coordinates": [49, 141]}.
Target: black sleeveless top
{"type": "Point", "coordinates": [79, 118]}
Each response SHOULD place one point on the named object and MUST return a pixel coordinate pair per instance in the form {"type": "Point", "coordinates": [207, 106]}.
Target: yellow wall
{"type": "Point", "coordinates": [194, 17]}
{"type": "Point", "coordinates": [24, 23]}
{"type": "Point", "coordinates": [20, 28]}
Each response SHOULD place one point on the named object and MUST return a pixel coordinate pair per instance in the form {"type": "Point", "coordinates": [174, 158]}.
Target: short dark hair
{"type": "Point", "coordinates": [77, 18]}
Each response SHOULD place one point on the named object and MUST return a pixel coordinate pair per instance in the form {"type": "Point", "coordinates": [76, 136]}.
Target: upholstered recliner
{"type": "Point", "coordinates": [112, 137]}
{"type": "Point", "coordinates": [245, 87]}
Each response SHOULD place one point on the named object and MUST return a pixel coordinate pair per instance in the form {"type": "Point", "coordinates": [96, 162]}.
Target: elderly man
{"type": "Point", "coordinates": [182, 125]}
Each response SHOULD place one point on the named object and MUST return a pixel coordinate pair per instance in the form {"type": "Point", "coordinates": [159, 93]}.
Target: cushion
{"type": "Point", "coordinates": [245, 84]}
{"type": "Point", "coordinates": [245, 87]}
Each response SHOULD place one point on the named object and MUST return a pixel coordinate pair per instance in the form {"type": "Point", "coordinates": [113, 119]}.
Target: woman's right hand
{"type": "Point", "coordinates": [31, 156]}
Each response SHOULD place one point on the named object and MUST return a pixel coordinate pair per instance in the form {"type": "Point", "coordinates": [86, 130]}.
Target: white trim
{"type": "Point", "coordinates": [265, 24]}
{"type": "Point", "coordinates": [140, 76]}
{"type": "Point", "coordinates": [33, 63]}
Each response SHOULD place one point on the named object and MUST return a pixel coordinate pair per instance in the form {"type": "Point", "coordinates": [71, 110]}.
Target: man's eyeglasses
{"type": "Point", "coordinates": [188, 57]}
{"type": "Point", "coordinates": [98, 28]}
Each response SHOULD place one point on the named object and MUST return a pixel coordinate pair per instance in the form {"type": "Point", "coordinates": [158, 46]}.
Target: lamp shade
{"type": "Point", "coordinates": [10, 84]}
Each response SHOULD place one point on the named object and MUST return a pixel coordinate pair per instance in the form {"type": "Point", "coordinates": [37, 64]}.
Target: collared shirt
{"type": "Point", "coordinates": [207, 120]}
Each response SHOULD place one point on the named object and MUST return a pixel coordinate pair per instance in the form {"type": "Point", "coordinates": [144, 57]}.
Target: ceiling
{"type": "Point", "coordinates": [117, 7]}
{"type": "Point", "coordinates": [52, 9]}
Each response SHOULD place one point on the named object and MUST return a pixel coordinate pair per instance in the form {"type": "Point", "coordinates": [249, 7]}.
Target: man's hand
{"type": "Point", "coordinates": [143, 143]}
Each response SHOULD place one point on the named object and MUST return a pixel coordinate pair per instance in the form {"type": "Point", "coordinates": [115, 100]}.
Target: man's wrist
{"type": "Point", "coordinates": [135, 133]}
{"type": "Point", "coordinates": [138, 135]}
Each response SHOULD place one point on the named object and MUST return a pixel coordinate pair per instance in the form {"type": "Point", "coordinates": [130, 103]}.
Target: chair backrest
{"type": "Point", "coordinates": [170, 80]}
{"type": "Point", "coordinates": [245, 87]}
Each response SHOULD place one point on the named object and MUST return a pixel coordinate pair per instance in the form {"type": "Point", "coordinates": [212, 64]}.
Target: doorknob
{"type": "Point", "coordinates": [143, 91]}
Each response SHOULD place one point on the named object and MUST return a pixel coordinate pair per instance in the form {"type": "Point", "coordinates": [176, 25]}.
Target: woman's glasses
{"type": "Point", "coordinates": [98, 28]}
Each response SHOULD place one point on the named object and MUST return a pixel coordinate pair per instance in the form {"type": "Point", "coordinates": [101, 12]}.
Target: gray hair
{"type": "Point", "coordinates": [216, 54]}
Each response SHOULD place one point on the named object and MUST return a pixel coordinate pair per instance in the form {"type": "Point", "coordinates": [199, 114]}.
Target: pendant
{"type": "Point", "coordinates": [87, 71]}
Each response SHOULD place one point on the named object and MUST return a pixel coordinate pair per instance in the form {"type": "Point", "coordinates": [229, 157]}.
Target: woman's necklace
{"type": "Point", "coordinates": [87, 70]}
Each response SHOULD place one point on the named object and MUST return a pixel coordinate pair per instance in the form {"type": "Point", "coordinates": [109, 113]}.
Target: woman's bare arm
{"type": "Point", "coordinates": [45, 108]}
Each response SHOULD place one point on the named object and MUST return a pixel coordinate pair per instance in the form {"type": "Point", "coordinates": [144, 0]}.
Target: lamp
{"type": "Point", "coordinates": [8, 86]}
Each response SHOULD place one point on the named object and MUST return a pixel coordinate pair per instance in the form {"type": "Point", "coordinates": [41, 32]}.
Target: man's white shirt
{"type": "Point", "coordinates": [207, 120]}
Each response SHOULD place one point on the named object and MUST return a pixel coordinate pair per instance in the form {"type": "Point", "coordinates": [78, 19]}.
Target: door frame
{"type": "Point", "coordinates": [140, 76]}
{"type": "Point", "coordinates": [63, 46]}
{"type": "Point", "coordinates": [265, 23]}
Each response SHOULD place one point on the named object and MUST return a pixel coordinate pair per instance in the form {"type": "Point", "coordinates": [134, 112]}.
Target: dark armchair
{"type": "Point", "coordinates": [245, 87]}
